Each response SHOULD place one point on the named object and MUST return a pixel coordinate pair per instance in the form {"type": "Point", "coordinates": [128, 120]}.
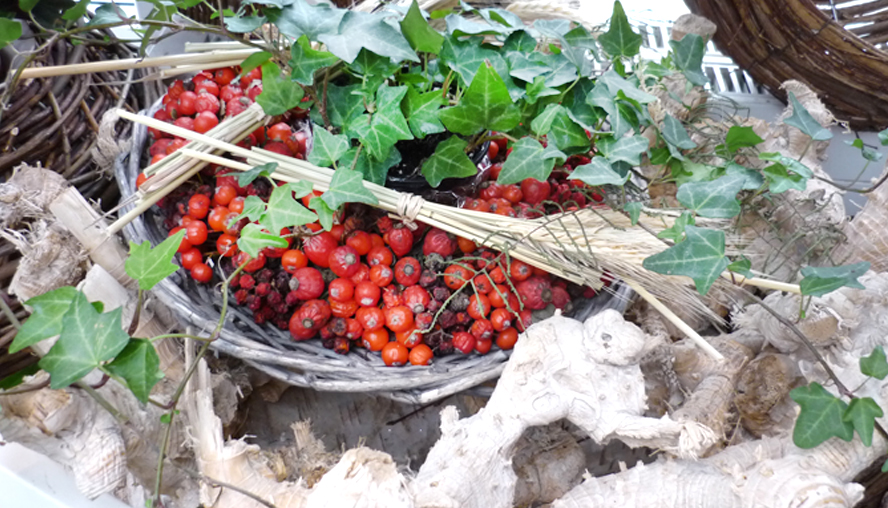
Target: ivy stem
{"type": "Point", "coordinates": [357, 154]}
{"type": "Point", "coordinates": [10, 315]}
{"type": "Point", "coordinates": [322, 105]}
{"type": "Point", "coordinates": [134, 324]}
{"type": "Point", "coordinates": [179, 336]}
{"type": "Point", "coordinates": [164, 446]}
{"type": "Point", "coordinates": [102, 402]}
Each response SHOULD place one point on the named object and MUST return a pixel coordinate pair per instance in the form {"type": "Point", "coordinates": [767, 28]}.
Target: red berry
{"type": "Point", "coordinates": [307, 283]}
{"type": "Point", "coordinates": [440, 242]}
{"type": "Point", "coordinates": [400, 240]}
{"type": "Point", "coordinates": [407, 271]}
{"type": "Point", "coordinates": [202, 273]}
{"type": "Point", "coordinates": [318, 248]}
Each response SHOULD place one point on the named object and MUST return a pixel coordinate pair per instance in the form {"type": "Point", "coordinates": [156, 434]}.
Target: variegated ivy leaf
{"type": "Point", "coordinates": [305, 61]}
{"type": "Point", "coordinates": [279, 94]}
{"type": "Point", "coordinates": [598, 172]}
{"type": "Point", "coordinates": [327, 148]}
{"type": "Point", "coordinates": [448, 161]}
{"type": "Point", "coordinates": [788, 162]}
{"type": "Point", "coordinates": [359, 30]}
{"type": "Point", "coordinates": [284, 211]}
{"type": "Point", "coordinates": [675, 134]}
{"type": "Point", "coordinates": [701, 256]}
{"type": "Point", "coordinates": [687, 55]}
{"type": "Point", "coordinates": [347, 186]}
{"type": "Point", "coordinates": [627, 149]}
{"type": "Point", "coordinates": [421, 111]}
{"type": "Point", "coordinates": [87, 339]}
{"type": "Point", "coordinates": [418, 33]}
{"type": "Point", "coordinates": [620, 41]}
{"type": "Point", "coordinates": [387, 125]}
{"type": "Point", "coordinates": [803, 121]}
{"type": "Point", "coordinates": [253, 239]}
{"type": "Point", "coordinates": [716, 199]}
{"type": "Point", "coordinates": [298, 18]}
{"type": "Point", "coordinates": [529, 159]}
{"type": "Point", "coordinates": [486, 105]}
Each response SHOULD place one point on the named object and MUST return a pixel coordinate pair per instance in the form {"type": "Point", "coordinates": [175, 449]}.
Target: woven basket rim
{"type": "Point", "coordinates": [303, 363]}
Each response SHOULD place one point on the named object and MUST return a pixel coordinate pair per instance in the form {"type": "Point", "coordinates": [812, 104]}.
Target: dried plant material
{"type": "Point", "coordinates": [50, 259]}
{"type": "Point", "coordinates": [548, 463]}
{"type": "Point", "coordinates": [820, 324]}
{"type": "Point", "coordinates": [762, 394]}
{"type": "Point", "coordinates": [692, 24]}
{"type": "Point", "coordinates": [28, 193]}
{"type": "Point", "coordinates": [866, 237]}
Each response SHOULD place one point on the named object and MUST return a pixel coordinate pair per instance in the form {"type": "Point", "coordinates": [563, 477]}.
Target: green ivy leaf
{"type": "Point", "coordinates": [324, 212]}
{"type": "Point", "coordinates": [387, 125]}
{"type": "Point", "coordinates": [875, 365]}
{"type": "Point", "coordinates": [526, 66]}
{"type": "Point", "coordinates": [301, 188]}
{"type": "Point", "coordinates": [740, 137]}
{"type": "Point", "coordinates": [867, 152]}
{"type": "Point", "coordinates": [819, 281]}
{"type": "Point", "coordinates": [542, 123]}
{"type": "Point", "coordinates": [421, 111]}
{"type": "Point", "coordinates": [802, 120]}
{"type": "Point", "coordinates": [741, 266]}
{"type": "Point", "coordinates": [626, 149]}
{"type": "Point", "coordinates": [752, 179]}
{"type": "Point", "coordinates": [253, 239]}
{"type": "Point", "coordinates": [284, 211]}
{"type": "Point", "coordinates": [327, 148]}
{"type": "Point", "coordinates": [149, 266]}
{"type": "Point", "coordinates": [862, 414]}
{"type": "Point", "coordinates": [701, 256]}
{"type": "Point", "coordinates": [364, 30]}
{"type": "Point", "coordinates": [459, 26]}
{"type": "Point", "coordinates": [279, 95]}
{"type": "Point", "coordinates": [598, 172]}
{"type": "Point", "coordinates": [46, 320]}
{"type": "Point", "coordinates": [139, 365]}
{"type": "Point", "coordinates": [373, 70]}
{"type": "Point", "coordinates": [538, 89]}
{"type": "Point", "coordinates": [519, 41]}
{"type": "Point", "coordinates": [344, 104]}
{"type": "Point", "coordinates": [87, 339]}
{"type": "Point", "coordinates": [503, 17]}
{"type": "Point", "coordinates": [633, 208]}
{"type": "Point", "coordinates": [374, 171]}
{"type": "Point", "coordinates": [485, 105]}
{"type": "Point", "coordinates": [620, 41]}
{"type": "Point", "coordinates": [529, 159]}
{"type": "Point", "coordinates": [787, 162]}
{"type": "Point", "coordinates": [820, 418]}
{"type": "Point", "coordinates": [466, 57]}
{"type": "Point", "coordinates": [687, 55]}
{"type": "Point", "coordinates": [716, 199]}
{"type": "Point", "coordinates": [253, 61]}
{"type": "Point", "coordinates": [553, 28]}
{"type": "Point", "coordinates": [418, 33]}
{"type": "Point", "coordinates": [676, 232]}
{"type": "Point", "coordinates": [347, 186]}
{"type": "Point", "coordinates": [10, 30]}
{"type": "Point", "coordinates": [562, 71]}
{"type": "Point", "coordinates": [77, 12]}
{"type": "Point", "coordinates": [305, 61]}
{"type": "Point", "coordinates": [883, 138]}
{"type": "Point", "coordinates": [780, 181]}
{"type": "Point", "coordinates": [247, 177]}
{"type": "Point", "coordinates": [675, 134]}
{"type": "Point", "coordinates": [616, 83]}
{"type": "Point", "coordinates": [254, 208]}
{"type": "Point", "coordinates": [107, 14]}
{"type": "Point", "coordinates": [27, 5]}
{"type": "Point", "coordinates": [299, 18]}
{"type": "Point", "coordinates": [244, 24]}
{"type": "Point", "coordinates": [567, 135]}
{"type": "Point", "coordinates": [577, 107]}
{"type": "Point", "coordinates": [448, 161]}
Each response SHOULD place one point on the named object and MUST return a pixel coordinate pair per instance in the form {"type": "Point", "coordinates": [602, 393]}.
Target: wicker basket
{"type": "Point", "coordinates": [807, 40]}
{"type": "Point", "coordinates": [306, 363]}
{"type": "Point", "coordinates": [55, 122]}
